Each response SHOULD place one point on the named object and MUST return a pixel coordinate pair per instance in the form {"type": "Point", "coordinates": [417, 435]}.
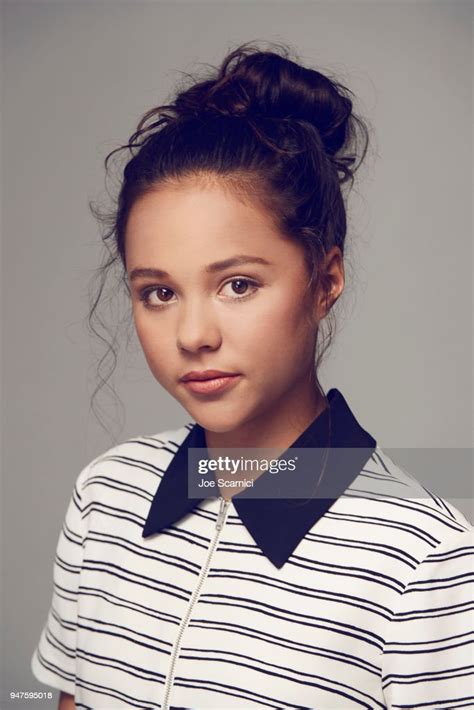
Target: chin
{"type": "Point", "coordinates": [216, 423]}
{"type": "Point", "coordinates": [222, 415]}
{"type": "Point", "coordinates": [217, 419]}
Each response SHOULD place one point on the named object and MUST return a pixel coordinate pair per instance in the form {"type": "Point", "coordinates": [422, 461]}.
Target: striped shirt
{"type": "Point", "coordinates": [161, 601]}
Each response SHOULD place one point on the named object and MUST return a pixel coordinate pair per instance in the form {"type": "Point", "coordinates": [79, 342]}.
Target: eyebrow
{"type": "Point", "coordinates": [210, 268]}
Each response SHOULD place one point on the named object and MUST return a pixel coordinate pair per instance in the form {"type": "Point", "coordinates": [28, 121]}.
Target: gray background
{"type": "Point", "coordinates": [76, 76]}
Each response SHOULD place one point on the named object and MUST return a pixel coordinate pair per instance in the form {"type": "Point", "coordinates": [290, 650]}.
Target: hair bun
{"type": "Point", "coordinates": [254, 83]}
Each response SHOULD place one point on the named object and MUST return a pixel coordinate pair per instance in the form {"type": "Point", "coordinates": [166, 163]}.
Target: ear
{"type": "Point", "coordinates": [332, 283]}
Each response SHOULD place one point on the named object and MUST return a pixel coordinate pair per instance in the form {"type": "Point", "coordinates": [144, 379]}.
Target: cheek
{"type": "Point", "coordinates": [277, 333]}
{"type": "Point", "coordinates": [155, 345]}
{"type": "Point", "coordinates": [143, 331]}
{"type": "Point", "coordinates": [283, 320]}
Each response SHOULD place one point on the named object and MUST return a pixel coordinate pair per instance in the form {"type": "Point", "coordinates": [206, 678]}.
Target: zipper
{"type": "Point", "coordinates": [224, 504]}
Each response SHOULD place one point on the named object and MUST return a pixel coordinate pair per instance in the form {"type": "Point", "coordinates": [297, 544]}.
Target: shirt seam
{"type": "Point", "coordinates": [400, 597]}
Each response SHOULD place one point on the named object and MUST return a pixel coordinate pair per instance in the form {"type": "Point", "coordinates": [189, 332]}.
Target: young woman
{"type": "Point", "coordinates": [230, 232]}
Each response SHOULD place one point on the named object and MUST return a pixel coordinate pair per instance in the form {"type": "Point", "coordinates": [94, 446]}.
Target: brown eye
{"type": "Point", "coordinates": [165, 292]}
{"type": "Point", "coordinates": [156, 297]}
{"type": "Point", "coordinates": [240, 285]}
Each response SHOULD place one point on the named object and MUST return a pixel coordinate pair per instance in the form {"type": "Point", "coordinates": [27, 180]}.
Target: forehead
{"type": "Point", "coordinates": [197, 216]}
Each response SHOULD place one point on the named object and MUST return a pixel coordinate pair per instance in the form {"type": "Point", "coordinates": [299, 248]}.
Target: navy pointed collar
{"type": "Point", "coordinates": [276, 525]}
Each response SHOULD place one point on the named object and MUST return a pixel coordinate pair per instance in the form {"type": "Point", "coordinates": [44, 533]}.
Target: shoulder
{"type": "Point", "coordinates": [391, 505]}
{"type": "Point", "coordinates": [142, 457]}
{"type": "Point", "coordinates": [426, 635]}
{"type": "Point", "coordinates": [425, 499]}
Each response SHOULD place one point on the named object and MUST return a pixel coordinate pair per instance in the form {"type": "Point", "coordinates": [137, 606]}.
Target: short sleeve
{"type": "Point", "coordinates": [428, 654]}
{"type": "Point", "coordinates": [54, 659]}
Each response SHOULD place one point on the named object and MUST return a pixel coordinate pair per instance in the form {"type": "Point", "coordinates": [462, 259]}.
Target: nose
{"type": "Point", "coordinates": [197, 328]}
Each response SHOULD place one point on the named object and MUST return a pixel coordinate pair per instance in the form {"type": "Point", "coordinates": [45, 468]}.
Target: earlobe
{"type": "Point", "coordinates": [321, 308]}
{"type": "Point", "coordinates": [333, 282]}
{"type": "Point", "coordinates": [331, 285]}
{"type": "Point", "coordinates": [328, 302]}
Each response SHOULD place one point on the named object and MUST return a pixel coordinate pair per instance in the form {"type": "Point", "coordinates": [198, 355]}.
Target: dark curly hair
{"type": "Point", "coordinates": [266, 125]}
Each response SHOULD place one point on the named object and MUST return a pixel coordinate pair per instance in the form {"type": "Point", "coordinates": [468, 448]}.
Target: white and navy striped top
{"type": "Point", "coordinates": [160, 601]}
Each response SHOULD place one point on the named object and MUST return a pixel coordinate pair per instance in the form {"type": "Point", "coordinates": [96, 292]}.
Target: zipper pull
{"type": "Point", "coordinates": [220, 517]}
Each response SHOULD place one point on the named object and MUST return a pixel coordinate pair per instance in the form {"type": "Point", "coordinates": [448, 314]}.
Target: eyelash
{"type": "Point", "coordinates": [145, 293]}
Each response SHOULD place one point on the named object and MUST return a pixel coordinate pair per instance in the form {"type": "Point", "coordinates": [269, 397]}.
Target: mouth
{"type": "Point", "coordinates": [210, 385]}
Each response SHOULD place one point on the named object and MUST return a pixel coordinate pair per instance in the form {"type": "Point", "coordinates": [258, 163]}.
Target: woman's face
{"type": "Point", "coordinates": [228, 294]}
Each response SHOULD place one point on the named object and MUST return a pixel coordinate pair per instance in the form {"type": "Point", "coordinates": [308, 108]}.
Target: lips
{"type": "Point", "coordinates": [210, 385]}
{"type": "Point", "coordinates": [199, 376]}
